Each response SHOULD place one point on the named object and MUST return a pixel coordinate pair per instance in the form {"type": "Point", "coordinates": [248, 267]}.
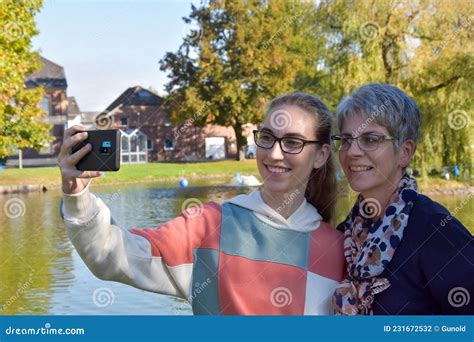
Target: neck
{"type": "Point", "coordinates": [283, 204]}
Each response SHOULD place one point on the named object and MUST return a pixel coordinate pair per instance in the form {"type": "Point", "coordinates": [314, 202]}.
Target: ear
{"type": "Point", "coordinates": [322, 156]}
{"type": "Point", "coordinates": [407, 150]}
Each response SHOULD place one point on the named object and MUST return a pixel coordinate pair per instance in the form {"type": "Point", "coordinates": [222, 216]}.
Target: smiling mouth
{"type": "Point", "coordinates": [360, 168]}
{"type": "Point", "coordinates": [277, 169]}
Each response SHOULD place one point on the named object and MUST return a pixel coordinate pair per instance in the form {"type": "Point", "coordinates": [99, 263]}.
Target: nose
{"type": "Point", "coordinates": [354, 149]}
{"type": "Point", "coordinates": [275, 152]}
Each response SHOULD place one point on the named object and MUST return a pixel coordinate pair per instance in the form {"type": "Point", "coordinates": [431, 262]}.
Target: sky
{"type": "Point", "coordinates": [107, 46]}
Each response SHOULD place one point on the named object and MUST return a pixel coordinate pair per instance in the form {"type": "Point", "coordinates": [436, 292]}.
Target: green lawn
{"type": "Point", "coordinates": [171, 172]}
{"type": "Point", "coordinates": [437, 183]}
{"type": "Point", "coordinates": [151, 172]}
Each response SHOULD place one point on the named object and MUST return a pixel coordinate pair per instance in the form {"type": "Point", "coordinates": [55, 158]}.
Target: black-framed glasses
{"type": "Point", "coordinates": [289, 145]}
{"type": "Point", "coordinates": [366, 142]}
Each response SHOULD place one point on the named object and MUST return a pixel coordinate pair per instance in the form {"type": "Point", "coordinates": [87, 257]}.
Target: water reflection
{"type": "Point", "coordinates": [40, 272]}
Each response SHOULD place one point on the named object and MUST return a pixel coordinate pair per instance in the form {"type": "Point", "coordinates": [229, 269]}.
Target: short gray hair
{"type": "Point", "coordinates": [385, 104]}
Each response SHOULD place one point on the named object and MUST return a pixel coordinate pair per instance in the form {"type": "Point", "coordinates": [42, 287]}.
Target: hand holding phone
{"type": "Point", "coordinates": [105, 151]}
{"type": "Point", "coordinates": [73, 179]}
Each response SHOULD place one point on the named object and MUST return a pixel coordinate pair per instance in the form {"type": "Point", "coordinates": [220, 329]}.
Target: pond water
{"type": "Point", "coordinates": [41, 273]}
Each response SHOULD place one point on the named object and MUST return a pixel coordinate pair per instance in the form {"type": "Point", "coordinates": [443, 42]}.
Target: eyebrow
{"type": "Point", "coordinates": [370, 132]}
{"type": "Point", "coordinates": [294, 135]}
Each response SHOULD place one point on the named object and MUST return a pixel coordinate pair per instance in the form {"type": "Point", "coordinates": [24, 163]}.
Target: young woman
{"type": "Point", "coordinates": [406, 255]}
{"type": "Point", "coordinates": [270, 252]}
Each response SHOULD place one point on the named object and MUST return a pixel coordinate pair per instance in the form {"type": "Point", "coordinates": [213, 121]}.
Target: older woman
{"type": "Point", "coordinates": [405, 253]}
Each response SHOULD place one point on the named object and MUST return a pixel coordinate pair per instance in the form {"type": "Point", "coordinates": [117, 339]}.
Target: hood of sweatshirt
{"type": "Point", "coordinates": [305, 219]}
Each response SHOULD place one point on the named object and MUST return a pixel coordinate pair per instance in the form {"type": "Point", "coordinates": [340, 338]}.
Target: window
{"type": "Point", "coordinates": [45, 105]}
{"type": "Point", "coordinates": [144, 93]}
{"type": "Point", "coordinates": [47, 149]}
{"type": "Point", "coordinates": [149, 145]}
{"type": "Point", "coordinates": [169, 144]}
{"type": "Point", "coordinates": [125, 144]}
{"type": "Point", "coordinates": [124, 121]}
{"type": "Point", "coordinates": [134, 146]}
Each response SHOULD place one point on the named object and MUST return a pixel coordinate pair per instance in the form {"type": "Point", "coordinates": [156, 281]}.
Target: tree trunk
{"type": "Point", "coordinates": [423, 171]}
{"type": "Point", "coordinates": [240, 140]}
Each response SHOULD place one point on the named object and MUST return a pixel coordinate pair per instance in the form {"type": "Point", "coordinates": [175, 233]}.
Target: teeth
{"type": "Point", "coordinates": [360, 168]}
{"type": "Point", "coordinates": [277, 169]}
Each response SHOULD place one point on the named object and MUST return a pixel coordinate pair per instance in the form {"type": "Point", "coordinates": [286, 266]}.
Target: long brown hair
{"type": "Point", "coordinates": [322, 187]}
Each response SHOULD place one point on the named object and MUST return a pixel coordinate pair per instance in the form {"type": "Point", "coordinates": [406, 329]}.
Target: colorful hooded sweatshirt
{"type": "Point", "coordinates": [236, 258]}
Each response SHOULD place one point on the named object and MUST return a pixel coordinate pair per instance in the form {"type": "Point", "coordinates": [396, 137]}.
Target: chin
{"type": "Point", "coordinates": [275, 187]}
{"type": "Point", "coordinates": [359, 186]}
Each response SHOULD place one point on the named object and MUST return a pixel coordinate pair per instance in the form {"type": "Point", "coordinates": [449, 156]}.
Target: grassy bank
{"type": "Point", "coordinates": [170, 172]}
{"type": "Point", "coordinates": [440, 184]}
{"type": "Point", "coordinates": [151, 172]}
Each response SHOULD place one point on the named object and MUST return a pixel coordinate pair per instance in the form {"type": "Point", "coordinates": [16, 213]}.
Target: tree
{"type": "Point", "coordinates": [241, 54]}
{"type": "Point", "coordinates": [424, 47]}
{"type": "Point", "coordinates": [236, 56]}
{"type": "Point", "coordinates": [20, 115]}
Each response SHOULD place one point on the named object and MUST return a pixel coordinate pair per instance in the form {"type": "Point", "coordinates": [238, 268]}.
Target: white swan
{"type": "Point", "coordinates": [239, 180]}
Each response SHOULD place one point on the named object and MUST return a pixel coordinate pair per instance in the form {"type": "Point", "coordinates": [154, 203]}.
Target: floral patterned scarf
{"type": "Point", "coordinates": [369, 246]}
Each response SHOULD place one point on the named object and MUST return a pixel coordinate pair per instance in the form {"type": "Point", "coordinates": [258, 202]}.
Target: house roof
{"type": "Point", "coordinates": [51, 75]}
{"type": "Point", "coordinates": [72, 106]}
{"type": "Point", "coordinates": [136, 96]}
{"type": "Point", "coordinates": [132, 131]}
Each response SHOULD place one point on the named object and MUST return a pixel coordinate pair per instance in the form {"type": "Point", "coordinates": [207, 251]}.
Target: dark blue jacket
{"type": "Point", "coordinates": [432, 270]}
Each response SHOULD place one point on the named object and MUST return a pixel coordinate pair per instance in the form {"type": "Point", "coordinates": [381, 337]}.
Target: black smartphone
{"type": "Point", "coordinates": [105, 153]}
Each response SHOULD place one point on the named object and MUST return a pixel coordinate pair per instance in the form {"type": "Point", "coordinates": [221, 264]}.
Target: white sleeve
{"type": "Point", "coordinates": [114, 253]}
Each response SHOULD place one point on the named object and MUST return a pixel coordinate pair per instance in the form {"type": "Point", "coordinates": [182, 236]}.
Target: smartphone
{"type": "Point", "coordinates": [105, 153]}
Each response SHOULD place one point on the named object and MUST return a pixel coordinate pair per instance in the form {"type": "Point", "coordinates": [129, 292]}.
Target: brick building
{"type": "Point", "coordinates": [139, 111]}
